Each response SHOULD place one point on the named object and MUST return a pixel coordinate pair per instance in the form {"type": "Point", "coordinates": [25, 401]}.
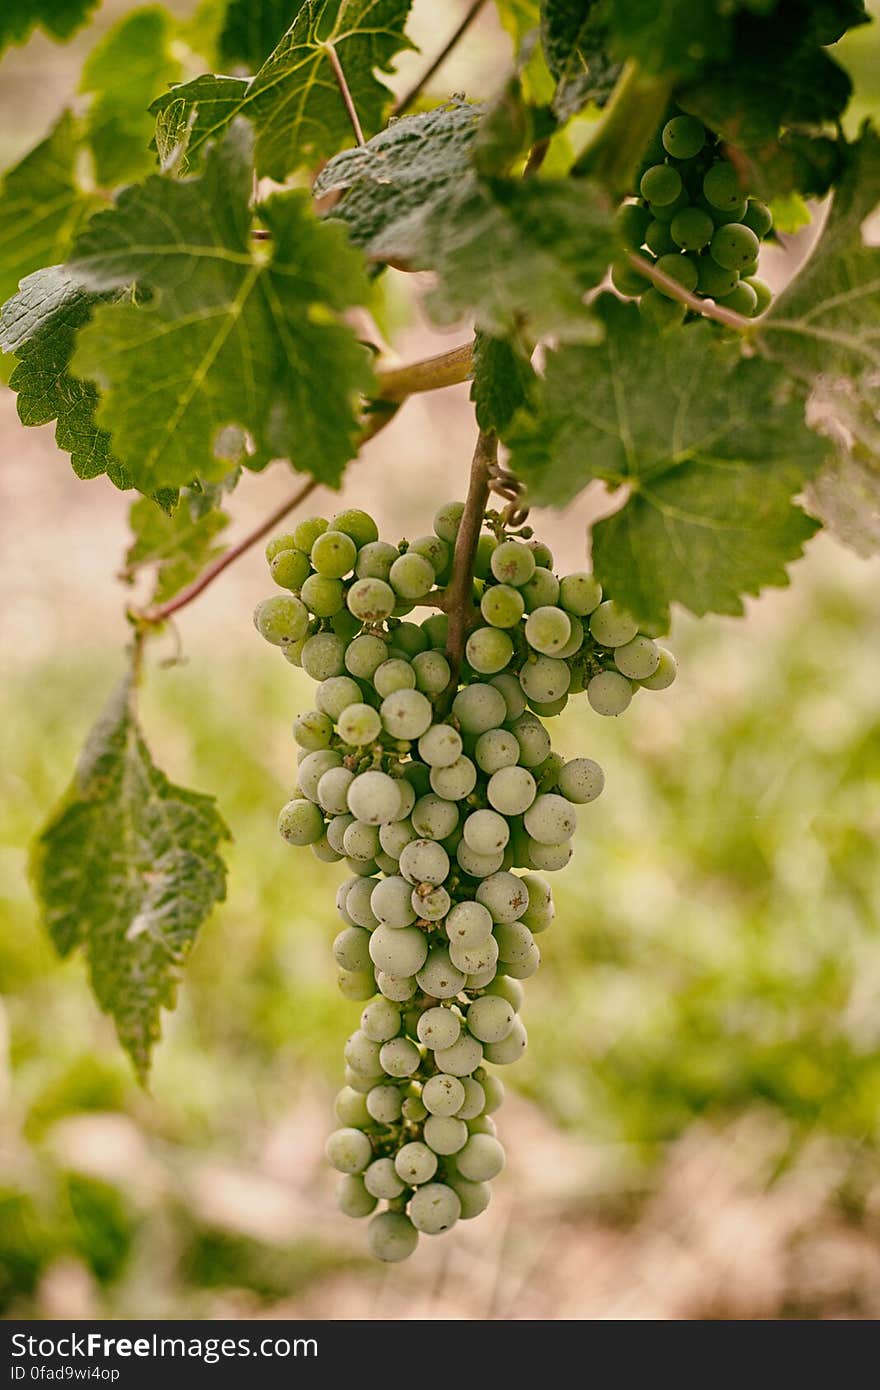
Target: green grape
{"type": "Point", "coordinates": [356, 985]}
{"type": "Point", "coordinates": [395, 835]}
{"type": "Point", "coordinates": [361, 841]}
{"type": "Point", "coordinates": [322, 596]}
{"type": "Point", "coordinates": [281, 620]}
{"type": "Point", "coordinates": [763, 294]}
{"type": "Point", "coordinates": [683, 137]}
{"type": "Point", "coordinates": [432, 672]}
{"type": "Point", "coordinates": [486, 832]}
{"type": "Point", "coordinates": [612, 626]}
{"type": "Point", "coordinates": [493, 1089]}
{"type": "Point", "coordinates": [504, 896]}
{"type": "Point", "coordinates": [511, 790]}
{"type": "Point", "coordinates": [292, 651]}
{"type": "Point", "coordinates": [478, 865]}
{"type": "Point", "coordinates": [312, 768]}
{"type": "Point", "coordinates": [438, 1028]}
{"type": "Point", "coordinates": [431, 906]}
{"type": "Point", "coordinates": [548, 708]}
{"type": "Point", "coordinates": [468, 924]}
{"type": "Point", "coordinates": [313, 730]}
{"type": "Point", "coordinates": [406, 714]}
{"type": "Point", "coordinates": [433, 549]}
{"type": "Point", "coordinates": [385, 862]}
{"type": "Point", "coordinates": [382, 1179]}
{"type": "Point", "coordinates": [351, 949]}
{"type": "Point", "coordinates": [658, 237]}
{"type": "Point", "coordinates": [384, 1104]}
{"type": "Point", "coordinates": [308, 531]}
{"type": "Point", "coordinates": [511, 693]}
{"type": "Point", "coordinates": [721, 186]}
{"type": "Point", "coordinates": [664, 212]}
{"type": "Point", "coordinates": [513, 563]}
{"type": "Point", "coordinates": [396, 987]}
{"type": "Point", "coordinates": [551, 858]}
{"type": "Point", "coordinates": [486, 546]}
{"type": "Point", "coordinates": [465, 1054]}
{"type": "Point", "coordinates": [424, 861]}
{"type": "Point", "coordinates": [409, 639]}
{"type": "Point", "coordinates": [479, 707]}
{"type": "Point", "coordinates": [358, 725]}
{"type": "Point", "coordinates": [638, 658]}
{"type": "Point", "coordinates": [541, 590]}
{"type": "Point", "coordinates": [439, 977]}
{"type": "Point", "coordinates": [351, 1109]}
{"type": "Point", "coordinates": [335, 694]}
{"type": "Point", "coordinates": [290, 569]}
{"type": "Point", "coordinates": [455, 782]}
{"type": "Point", "coordinates": [550, 819]}
{"type": "Point", "coordinates": [371, 600]}
{"type": "Point", "coordinates": [415, 1163]}
{"type": "Point", "coordinates": [352, 1197]}
{"type": "Point", "coordinates": [324, 851]}
{"type": "Point", "coordinates": [364, 655]}
{"type": "Point", "coordinates": [375, 560]}
{"type": "Point", "coordinates": [323, 656]}
{"type": "Point", "coordinates": [735, 213]}
{"type": "Point", "coordinates": [391, 901]}
{"type": "Point", "coordinates": [488, 650]}
{"type": "Point", "coordinates": [361, 1084]}
{"type": "Point", "coordinates": [436, 630]}
{"type": "Point", "coordinates": [665, 673]}
{"type": "Point", "coordinates": [433, 817]}
{"type": "Point", "coordinates": [502, 605]}
{"type": "Point", "coordinates": [414, 1110]}
{"type": "Point", "coordinates": [631, 221]}
{"type": "Point", "coordinates": [333, 555]}
{"type": "Point", "coordinates": [380, 1020]}
{"type": "Point", "coordinates": [434, 1208]}
{"type": "Point", "coordinates": [714, 280]}
{"type": "Point", "coordinates": [300, 823]}
{"type": "Point", "coordinates": [447, 520]}
{"type": "Point", "coordinates": [483, 1124]}
{"type": "Point", "coordinates": [514, 942]}
{"type": "Point", "coordinates": [609, 693]}
{"type": "Point", "coordinates": [509, 1050]}
{"type": "Point", "coordinates": [445, 1134]}
{"type": "Point", "coordinates": [416, 776]}
{"type": "Point", "coordinates": [473, 1196]}
{"type": "Point", "coordinates": [358, 901]}
{"type": "Point", "coordinates": [399, 1056]}
{"type": "Point", "coordinates": [748, 271]}
{"type": "Point", "coordinates": [758, 217]}
{"type": "Point", "coordinates": [359, 525]}
{"type": "Point", "coordinates": [364, 868]}
{"type": "Point", "coordinates": [548, 630]}
{"type": "Point", "coordinates": [374, 797]}
{"type": "Point", "coordinates": [362, 1054]}
{"type": "Point", "coordinates": [580, 594]}
{"type": "Point", "coordinates": [679, 268]}
{"type": "Point", "coordinates": [542, 553]}
{"type": "Point", "coordinates": [734, 246]}
{"type": "Point", "coordinates": [443, 1095]}
{"type": "Point", "coordinates": [490, 1018]}
{"type": "Point", "coordinates": [348, 1150]}
{"type": "Point", "coordinates": [661, 184]}
{"type": "Point", "coordinates": [440, 746]}
{"type": "Point", "coordinates": [692, 229]}
{"type": "Point", "coordinates": [277, 544]}
{"type": "Point", "coordinates": [581, 780]}
{"type": "Point", "coordinates": [474, 1097]}
{"type": "Point", "coordinates": [412, 576]}
{"type": "Point", "coordinates": [398, 950]}
{"type": "Point", "coordinates": [627, 280]}
{"type": "Point", "coordinates": [394, 674]}
{"type": "Point", "coordinates": [495, 749]}
{"type": "Point", "coordinates": [482, 1157]}
{"type": "Point", "coordinates": [742, 300]}
{"type": "Point", "coordinates": [407, 797]}
{"type": "Point", "coordinates": [544, 678]}
{"type": "Point", "coordinates": [476, 960]}
{"type": "Point", "coordinates": [391, 1236]}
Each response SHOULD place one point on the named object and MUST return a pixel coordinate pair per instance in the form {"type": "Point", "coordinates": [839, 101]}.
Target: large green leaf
{"type": "Point", "coordinates": [128, 868]}
{"type": "Point", "coordinates": [294, 100]}
{"type": "Point", "coordinates": [39, 325]}
{"type": "Point", "coordinates": [60, 19]}
{"type": "Point", "coordinates": [711, 447]}
{"type": "Point", "coordinates": [177, 545]}
{"type": "Point", "coordinates": [574, 34]}
{"type": "Point", "coordinates": [503, 376]}
{"type": "Point", "coordinates": [252, 29]}
{"type": "Point", "coordinates": [123, 74]}
{"type": "Point", "coordinates": [232, 336]}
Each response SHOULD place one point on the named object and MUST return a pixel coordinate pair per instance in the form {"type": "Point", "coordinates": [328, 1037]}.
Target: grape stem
{"type": "Point", "coordinates": [459, 593]}
{"type": "Point", "coordinates": [407, 100]}
{"type": "Point", "coordinates": [429, 374]}
{"type": "Point", "coordinates": [345, 93]}
{"type": "Point", "coordinates": [706, 307]}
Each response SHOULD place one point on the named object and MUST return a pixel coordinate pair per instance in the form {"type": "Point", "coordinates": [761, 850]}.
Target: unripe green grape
{"type": "Point", "coordinates": [394, 674]}
{"type": "Point", "coordinates": [493, 1089]}
{"type": "Point", "coordinates": [580, 593]}
{"type": "Point", "coordinates": [364, 655]}
{"type": "Point", "coordinates": [548, 708]}
{"type": "Point", "coordinates": [432, 906]}
{"type": "Point", "coordinates": [638, 658]}
{"type": "Point", "coordinates": [665, 673]}
{"type": "Point", "coordinates": [335, 694]}
{"type": "Point", "coordinates": [482, 1157]}
{"type": "Point", "coordinates": [545, 679]}
{"type": "Point", "coordinates": [380, 1021]}
{"type": "Point", "coordinates": [381, 1178]}
{"type": "Point", "coordinates": [479, 707]}
{"type": "Point", "coordinates": [357, 524]}
{"type": "Point", "coordinates": [631, 222]}
{"type": "Point", "coordinates": [443, 1095]}
{"type": "Point", "coordinates": [433, 817]}
{"type": "Point", "coordinates": [434, 1208]}
{"type": "Point", "coordinates": [504, 896]}
{"type": "Point", "coordinates": [486, 547]}
{"type": "Point", "coordinates": [473, 1196]}
{"type": "Point", "coordinates": [475, 961]}
{"type": "Point", "coordinates": [510, 1049]}
{"type": "Point", "coordinates": [363, 868]}
{"type": "Point", "coordinates": [763, 294]}
{"type": "Point", "coordinates": [398, 988]}
{"type": "Point", "coordinates": [447, 520]}
{"type": "Point", "coordinates": [433, 549]}
{"type": "Point", "coordinates": [277, 544]}
{"type": "Point", "coordinates": [661, 184]}
{"type": "Point", "coordinates": [548, 630]}
{"type": "Point", "coordinates": [581, 780]}
{"type": "Point", "coordinates": [445, 1134]}
{"type": "Point", "coordinates": [455, 782]}
{"type": "Point", "coordinates": [486, 832]}
{"type": "Point", "coordinates": [374, 797]}
{"type": "Point", "coordinates": [683, 137]}
{"type": "Point", "coordinates": [679, 268]}
{"type": "Point", "coordinates": [351, 1109]}
{"type": "Point", "coordinates": [468, 924]}
{"type": "Point", "coordinates": [312, 768]}
{"type": "Point", "coordinates": [358, 725]}
{"type": "Point", "coordinates": [351, 949]}
{"type": "Point", "coordinates": [474, 1097]}
{"type": "Point", "coordinates": [438, 1028]}
{"type": "Point", "coordinates": [391, 1237]}
{"type": "Point", "coordinates": [348, 1150]}
{"type": "Point", "coordinates": [281, 619]}
{"type": "Point", "coordinates": [511, 692]}
{"type": "Point", "coordinates": [290, 569]}
{"type": "Point", "coordinates": [407, 794]}
{"type": "Point", "coordinates": [374, 561]}
{"type": "Point", "coordinates": [513, 563]}
{"type": "Point", "coordinates": [721, 186]}
{"type": "Point", "coordinates": [361, 1084]}
{"type": "Point", "coordinates": [361, 841]}
{"type": "Point", "coordinates": [758, 217]}
{"type": "Point", "coordinates": [609, 693]}
{"type": "Point", "coordinates": [385, 862]}
{"type": "Point", "coordinates": [490, 1018]}
{"type": "Point", "coordinates": [713, 280]}
{"type": "Point", "coordinates": [658, 237]}
{"type": "Point", "coordinates": [488, 650]}
{"type": "Point", "coordinates": [300, 823]}
{"type": "Point", "coordinates": [436, 630]}
{"type": "Point", "coordinates": [438, 977]}
{"type": "Point", "coordinates": [412, 576]}
{"type": "Point", "coordinates": [398, 950]}
{"type": "Point", "coordinates": [358, 902]}
{"type": "Point", "coordinates": [324, 851]}
{"type": "Point", "coordinates": [292, 651]}
{"type": "Point", "coordinates": [550, 858]}
{"type": "Point", "coordinates": [399, 1056]}
{"type": "Point", "coordinates": [323, 596]}
{"type": "Point", "coordinates": [371, 600]}
{"type": "Point", "coordinates": [482, 1124]}
{"type": "Point", "coordinates": [742, 300]}
{"type": "Point", "coordinates": [502, 605]}
{"type": "Point", "coordinates": [664, 212]}
{"type": "Point", "coordinates": [495, 749]}
{"type": "Point", "coordinates": [733, 214]}
{"type": "Point", "coordinates": [465, 1054]}
{"type": "Point", "coordinates": [660, 311]}
{"type": "Point", "coordinates": [432, 672]}
{"type": "Point", "coordinates": [734, 246]}
{"type": "Point", "coordinates": [391, 902]}
{"type": "Point", "coordinates": [550, 819]}
{"type": "Point", "coordinates": [692, 229]}
{"type": "Point", "coordinates": [415, 1163]}
{"type": "Point", "coordinates": [409, 639]}
{"type": "Point", "coordinates": [333, 555]}
{"type": "Point", "coordinates": [416, 775]}
{"type": "Point", "coordinates": [514, 942]}
{"type": "Point", "coordinates": [612, 626]}
{"type": "Point", "coordinates": [525, 968]}
{"type": "Point", "coordinates": [424, 861]}
{"type": "Point", "coordinates": [307, 532]}
{"type": "Point", "coordinates": [313, 730]}
{"type": "Point", "coordinates": [394, 836]}
{"type": "Point", "coordinates": [511, 790]}
{"type": "Point", "coordinates": [345, 625]}
{"type": "Point", "coordinates": [576, 640]}
{"type": "Point", "coordinates": [406, 714]}
{"type": "Point", "coordinates": [440, 746]}
{"type": "Point", "coordinates": [362, 1054]}
{"type": "Point", "coordinates": [627, 280]}
{"type": "Point", "coordinates": [749, 270]}
{"type": "Point", "coordinates": [475, 864]}
{"type": "Point", "coordinates": [323, 656]}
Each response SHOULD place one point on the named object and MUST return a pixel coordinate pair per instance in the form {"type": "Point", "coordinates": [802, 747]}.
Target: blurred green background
{"type": "Point", "coordinates": [694, 1131]}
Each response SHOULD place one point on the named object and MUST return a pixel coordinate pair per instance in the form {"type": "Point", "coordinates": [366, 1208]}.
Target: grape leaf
{"type": "Point", "coordinates": [669, 36]}
{"type": "Point", "coordinates": [178, 544]}
{"type": "Point", "coordinates": [294, 99]}
{"type": "Point", "coordinates": [251, 30]}
{"type": "Point", "coordinates": [518, 17]}
{"type": "Point", "coordinates": [574, 35]}
{"type": "Point", "coordinates": [41, 206]}
{"type": "Point", "coordinates": [39, 325]}
{"type": "Point", "coordinates": [845, 497]}
{"type": "Point", "coordinates": [60, 19]}
{"type": "Point", "coordinates": [231, 335]}
{"type": "Point", "coordinates": [128, 868]}
{"type": "Point", "coordinates": [502, 378]}
{"type": "Point", "coordinates": [190, 114]}
{"type": "Point", "coordinates": [711, 446]}
{"type": "Point", "coordinates": [123, 73]}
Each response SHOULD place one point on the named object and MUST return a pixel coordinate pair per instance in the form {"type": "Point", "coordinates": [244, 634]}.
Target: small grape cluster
{"type": "Point", "coordinates": [434, 785]}
{"type": "Point", "coordinates": [692, 220]}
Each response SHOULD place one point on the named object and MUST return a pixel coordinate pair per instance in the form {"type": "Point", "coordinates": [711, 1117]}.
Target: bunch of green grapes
{"type": "Point", "coordinates": [435, 787]}
{"type": "Point", "coordinates": [692, 219]}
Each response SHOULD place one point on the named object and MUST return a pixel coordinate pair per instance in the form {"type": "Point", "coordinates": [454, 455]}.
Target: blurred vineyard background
{"type": "Point", "coordinates": [695, 1129]}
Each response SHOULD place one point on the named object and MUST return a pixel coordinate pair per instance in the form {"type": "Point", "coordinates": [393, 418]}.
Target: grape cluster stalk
{"type": "Point", "coordinates": [436, 789]}
{"type": "Point", "coordinates": [691, 219]}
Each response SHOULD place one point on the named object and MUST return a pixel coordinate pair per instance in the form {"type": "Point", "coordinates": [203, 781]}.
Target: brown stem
{"type": "Point", "coordinates": [346, 94]}
{"type": "Point", "coordinates": [459, 592]}
{"type": "Point", "coordinates": [537, 155]}
{"type": "Point", "coordinates": [706, 307]}
{"type": "Point", "coordinates": [446, 369]}
{"type": "Point", "coordinates": [407, 100]}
